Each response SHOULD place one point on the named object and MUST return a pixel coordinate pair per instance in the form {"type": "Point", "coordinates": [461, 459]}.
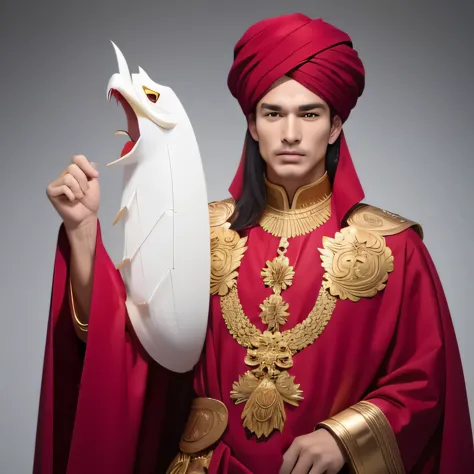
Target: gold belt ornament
{"type": "Point", "coordinates": [206, 424]}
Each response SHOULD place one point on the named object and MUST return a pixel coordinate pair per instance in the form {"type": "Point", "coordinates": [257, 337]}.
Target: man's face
{"type": "Point", "coordinates": [293, 128]}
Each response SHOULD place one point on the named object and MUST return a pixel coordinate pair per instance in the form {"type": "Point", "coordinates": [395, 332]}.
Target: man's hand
{"type": "Point", "coordinates": [75, 194]}
{"type": "Point", "coordinates": [314, 453]}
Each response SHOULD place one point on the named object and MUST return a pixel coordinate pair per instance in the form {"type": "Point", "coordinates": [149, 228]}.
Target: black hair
{"type": "Point", "coordinates": [251, 204]}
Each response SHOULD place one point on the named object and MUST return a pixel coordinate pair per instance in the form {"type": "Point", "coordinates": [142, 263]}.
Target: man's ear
{"type": "Point", "coordinates": [252, 124]}
{"type": "Point", "coordinates": [336, 129]}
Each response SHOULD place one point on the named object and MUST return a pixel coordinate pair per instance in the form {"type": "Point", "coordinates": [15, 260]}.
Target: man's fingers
{"type": "Point", "coordinates": [304, 464]}
{"type": "Point", "coordinates": [56, 191]}
{"type": "Point", "coordinates": [89, 168]}
{"type": "Point", "coordinates": [72, 184]}
{"type": "Point", "coordinates": [317, 469]}
{"type": "Point", "coordinates": [289, 459]}
{"type": "Point", "coordinates": [79, 175]}
{"type": "Point", "coordinates": [322, 464]}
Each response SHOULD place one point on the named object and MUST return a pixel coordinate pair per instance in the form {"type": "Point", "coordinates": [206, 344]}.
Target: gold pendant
{"type": "Point", "coordinates": [264, 411]}
{"type": "Point", "coordinates": [268, 385]}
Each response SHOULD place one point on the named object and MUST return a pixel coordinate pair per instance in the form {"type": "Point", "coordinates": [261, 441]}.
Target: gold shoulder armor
{"type": "Point", "coordinates": [227, 247]}
{"type": "Point", "coordinates": [380, 221]}
{"type": "Point", "coordinates": [220, 211]}
{"type": "Point", "coordinates": [357, 260]}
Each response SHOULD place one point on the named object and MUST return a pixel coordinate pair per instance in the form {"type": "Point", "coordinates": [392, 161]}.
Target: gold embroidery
{"type": "Point", "coordinates": [227, 250]}
{"type": "Point", "coordinates": [357, 263]}
{"type": "Point", "coordinates": [267, 385]}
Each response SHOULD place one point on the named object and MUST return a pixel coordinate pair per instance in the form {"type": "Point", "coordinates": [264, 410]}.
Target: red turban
{"type": "Point", "coordinates": [317, 55]}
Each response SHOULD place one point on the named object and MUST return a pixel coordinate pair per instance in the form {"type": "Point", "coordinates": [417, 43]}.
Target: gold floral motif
{"type": "Point", "coordinates": [267, 385]}
{"type": "Point", "coordinates": [227, 250]}
{"type": "Point", "coordinates": [357, 263]}
{"type": "Point", "coordinates": [278, 274]}
{"type": "Point", "coordinates": [274, 312]}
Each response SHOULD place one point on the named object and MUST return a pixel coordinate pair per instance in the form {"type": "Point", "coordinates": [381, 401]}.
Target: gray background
{"type": "Point", "coordinates": [410, 136]}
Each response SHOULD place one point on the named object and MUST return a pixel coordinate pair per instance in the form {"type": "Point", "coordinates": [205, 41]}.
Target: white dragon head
{"type": "Point", "coordinates": [151, 109]}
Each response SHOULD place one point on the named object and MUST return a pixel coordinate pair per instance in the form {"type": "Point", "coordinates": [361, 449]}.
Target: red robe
{"type": "Point", "coordinates": [106, 407]}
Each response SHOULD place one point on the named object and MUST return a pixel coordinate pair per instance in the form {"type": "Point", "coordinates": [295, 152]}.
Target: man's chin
{"type": "Point", "coordinates": [291, 172]}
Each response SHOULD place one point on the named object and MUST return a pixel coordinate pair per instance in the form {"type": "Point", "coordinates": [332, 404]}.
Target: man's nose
{"type": "Point", "coordinates": [291, 130]}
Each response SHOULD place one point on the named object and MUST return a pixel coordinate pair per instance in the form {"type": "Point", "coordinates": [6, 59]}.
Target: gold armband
{"type": "Point", "coordinates": [84, 327]}
{"type": "Point", "coordinates": [367, 438]}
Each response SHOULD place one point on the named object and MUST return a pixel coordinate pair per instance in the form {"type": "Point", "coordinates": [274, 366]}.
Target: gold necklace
{"type": "Point", "coordinates": [267, 386]}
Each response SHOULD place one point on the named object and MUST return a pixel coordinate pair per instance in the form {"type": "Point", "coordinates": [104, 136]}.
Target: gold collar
{"type": "Point", "coordinates": [310, 208]}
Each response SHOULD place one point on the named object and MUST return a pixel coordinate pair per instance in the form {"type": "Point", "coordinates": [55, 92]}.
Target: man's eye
{"type": "Point", "coordinates": [311, 115]}
{"type": "Point", "coordinates": [272, 114]}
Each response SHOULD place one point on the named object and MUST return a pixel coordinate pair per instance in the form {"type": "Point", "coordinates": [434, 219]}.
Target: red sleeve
{"type": "Point", "coordinates": [421, 389]}
{"type": "Point", "coordinates": [102, 404]}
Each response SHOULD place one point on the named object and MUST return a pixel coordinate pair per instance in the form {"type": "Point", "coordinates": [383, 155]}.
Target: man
{"type": "Point", "coordinates": [330, 346]}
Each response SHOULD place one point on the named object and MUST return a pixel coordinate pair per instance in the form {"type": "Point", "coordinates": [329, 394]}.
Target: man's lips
{"type": "Point", "coordinates": [290, 153]}
{"type": "Point", "coordinates": [290, 156]}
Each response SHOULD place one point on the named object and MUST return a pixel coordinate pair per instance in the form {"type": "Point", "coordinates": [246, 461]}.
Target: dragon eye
{"type": "Point", "coordinates": [153, 96]}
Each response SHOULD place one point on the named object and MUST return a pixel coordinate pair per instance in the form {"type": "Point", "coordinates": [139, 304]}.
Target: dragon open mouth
{"type": "Point", "coordinates": [133, 130]}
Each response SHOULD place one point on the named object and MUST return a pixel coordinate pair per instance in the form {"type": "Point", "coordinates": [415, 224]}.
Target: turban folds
{"type": "Point", "coordinates": [317, 55]}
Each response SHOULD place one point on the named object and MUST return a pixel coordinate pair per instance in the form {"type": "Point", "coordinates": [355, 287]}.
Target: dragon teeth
{"type": "Point", "coordinates": [122, 132]}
